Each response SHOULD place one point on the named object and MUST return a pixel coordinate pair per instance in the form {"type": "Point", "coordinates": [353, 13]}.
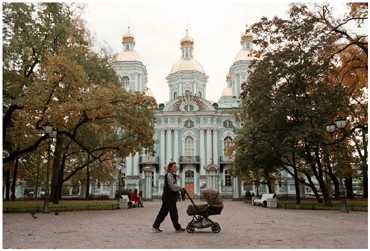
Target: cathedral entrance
{"type": "Point", "coordinates": [189, 182]}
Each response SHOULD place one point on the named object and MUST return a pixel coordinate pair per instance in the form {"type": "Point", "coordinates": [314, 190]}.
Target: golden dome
{"type": "Point", "coordinates": [187, 40]}
{"type": "Point", "coordinates": [246, 36]}
{"type": "Point", "coordinates": [187, 65]}
{"type": "Point", "coordinates": [127, 56]}
{"type": "Point", "coordinates": [244, 55]}
{"type": "Point", "coordinates": [128, 37]}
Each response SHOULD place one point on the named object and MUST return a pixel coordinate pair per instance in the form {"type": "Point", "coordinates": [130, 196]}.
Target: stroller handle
{"type": "Point", "coordinates": [192, 202]}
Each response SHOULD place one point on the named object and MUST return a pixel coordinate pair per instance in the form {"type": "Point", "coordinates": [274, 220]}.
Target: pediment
{"type": "Point", "coordinates": [188, 103]}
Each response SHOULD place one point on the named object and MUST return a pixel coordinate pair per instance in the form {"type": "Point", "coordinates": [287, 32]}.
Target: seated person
{"type": "Point", "coordinates": [135, 198]}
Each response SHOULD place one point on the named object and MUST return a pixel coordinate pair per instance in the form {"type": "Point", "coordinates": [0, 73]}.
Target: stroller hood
{"type": "Point", "coordinates": [212, 197]}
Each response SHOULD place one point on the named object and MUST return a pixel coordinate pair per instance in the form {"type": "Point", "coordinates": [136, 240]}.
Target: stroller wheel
{"type": "Point", "coordinates": [216, 228]}
{"type": "Point", "coordinates": [190, 229]}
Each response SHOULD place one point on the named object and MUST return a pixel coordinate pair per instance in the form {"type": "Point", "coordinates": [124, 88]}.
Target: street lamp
{"type": "Point", "coordinates": [52, 133]}
{"type": "Point", "coordinates": [340, 123]}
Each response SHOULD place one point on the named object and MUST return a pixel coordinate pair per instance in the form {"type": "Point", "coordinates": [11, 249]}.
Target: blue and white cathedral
{"type": "Point", "coordinates": [190, 130]}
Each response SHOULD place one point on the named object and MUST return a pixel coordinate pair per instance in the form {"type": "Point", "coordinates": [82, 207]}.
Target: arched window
{"type": "Point", "coordinates": [200, 94]}
{"type": "Point", "coordinates": [189, 146]}
{"type": "Point", "coordinates": [227, 178]}
{"type": "Point", "coordinates": [189, 174]}
{"type": "Point", "coordinates": [228, 124]}
{"type": "Point", "coordinates": [174, 95]}
{"type": "Point", "coordinates": [189, 124]}
{"type": "Point", "coordinates": [189, 108]}
{"type": "Point", "coordinates": [228, 143]}
{"type": "Point", "coordinates": [187, 93]}
{"type": "Point", "coordinates": [125, 82]}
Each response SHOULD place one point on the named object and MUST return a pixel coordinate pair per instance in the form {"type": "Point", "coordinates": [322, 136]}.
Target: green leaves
{"type": "Point", "coordinates": [290, 94]}
{"type": "Point", "coordinates": [56, 78]}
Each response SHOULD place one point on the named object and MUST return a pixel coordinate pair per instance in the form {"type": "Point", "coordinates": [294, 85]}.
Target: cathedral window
{"type": "Point", "coordinates": [125, 82]}
{"type": "Point", "coordinates": [228, 124]}
{"type": "Point", "coordinates": [189, 147]}
{"type": "Point", "coordinates": [189, 124]}
{"type": "Point", "coordinates": [228, 143]}
{"type": "Point", "coordinates": [187, 93]}
{"type": "Point", "coordinates": [227, 178]}
{"type": "Point", "coordinates": [189, 108]}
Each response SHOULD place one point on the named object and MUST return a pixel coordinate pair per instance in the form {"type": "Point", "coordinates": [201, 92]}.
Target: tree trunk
{"type": "Point", "coordinates": [87, 183]}
{"type": "Point", "coordinates": [271, 190]}
{"type": "Point", "coordinates": [37, 180]}
{"type": "Point", "coordinates": [55, 180]}
{"type": "Point", "coordinates": [257, 188]}
{"type": "Point", "coordinates": [319, 177]}
{"type": "Point", "coordinates": [314, 190]}
{"type": "Point", "coordinates": [61, 175]}
{"type": "Point", "coordinates": [349, 187]}
{"type": "Point", "coordinates": [7, 183]}
{"type": "Point", "coordinates": [364, 181]}
{"type": "Point", "coordinates": [14, 183]}
{"type": "Point", "coordinates": [312, 164]}
{"type": "Point", "coordinates": [364, 163]}
{"type": "Point", "coordinates": [335, 182]}
{"type": "Point", "coordinates": [296, 183]}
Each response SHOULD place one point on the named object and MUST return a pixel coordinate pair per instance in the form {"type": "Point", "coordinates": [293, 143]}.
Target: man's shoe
{"type": "Point", "coordinates": [157, 230]}
{"type": "Point", "coordinates": [180, 230]}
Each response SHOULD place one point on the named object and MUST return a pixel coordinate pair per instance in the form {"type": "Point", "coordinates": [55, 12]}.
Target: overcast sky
{"type": "Point", "coordinates": [158, 26]}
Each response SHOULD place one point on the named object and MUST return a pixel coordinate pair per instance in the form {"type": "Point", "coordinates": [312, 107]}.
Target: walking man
{"type": "Point", "coordinates": [169, 198]}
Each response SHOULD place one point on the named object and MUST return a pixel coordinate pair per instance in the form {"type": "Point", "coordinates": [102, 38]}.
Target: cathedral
{"type": "Point", "coordinates": [189, 129]}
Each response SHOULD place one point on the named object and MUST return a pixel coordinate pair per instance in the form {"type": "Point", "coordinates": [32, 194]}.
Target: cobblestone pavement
{"type": "Point", "coordinates": [243, 226]}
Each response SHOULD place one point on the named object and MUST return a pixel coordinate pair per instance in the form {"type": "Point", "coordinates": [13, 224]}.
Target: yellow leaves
{"type": "Point", "coordinates": [351, 71]}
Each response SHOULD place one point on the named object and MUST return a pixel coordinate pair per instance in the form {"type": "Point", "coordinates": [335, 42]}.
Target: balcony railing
{"type": "Point", "coordinates": [148, 159]}
{"type": "Point", "coordinates": [189, 159]}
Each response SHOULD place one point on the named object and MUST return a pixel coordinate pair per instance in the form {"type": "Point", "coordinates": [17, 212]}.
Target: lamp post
{"type": "Point", "coordinates": [51, 132]}
{"type": "Point", "coordinates": [340, 123]}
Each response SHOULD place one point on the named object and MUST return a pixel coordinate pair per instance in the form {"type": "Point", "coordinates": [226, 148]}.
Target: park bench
{"type": "Point", "coordinates": [267, 200]}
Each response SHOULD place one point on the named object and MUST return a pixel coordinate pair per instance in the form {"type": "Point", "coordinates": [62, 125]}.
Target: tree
{"type": "Point", "coordinates": [53, 77]}
{"type": "Point", "coordinates": [290, 96]}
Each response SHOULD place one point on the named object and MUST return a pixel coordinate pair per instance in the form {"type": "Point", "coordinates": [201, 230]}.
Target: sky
{"type": "Point", "coordinates": [158, 26]}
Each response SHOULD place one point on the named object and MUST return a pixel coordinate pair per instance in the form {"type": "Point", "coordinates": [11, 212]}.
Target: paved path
{"type": "Point", "coordinates": [243, 226]}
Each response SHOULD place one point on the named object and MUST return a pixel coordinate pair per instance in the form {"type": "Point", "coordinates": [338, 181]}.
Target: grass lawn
{"type": "Point", "coordinates": [353, 205]}
{"type": "Point", "coordinates": [63, 205]}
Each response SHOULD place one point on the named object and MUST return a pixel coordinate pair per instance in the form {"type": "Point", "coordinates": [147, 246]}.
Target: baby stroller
{"type": "Point", "coordinates": [200, 213]}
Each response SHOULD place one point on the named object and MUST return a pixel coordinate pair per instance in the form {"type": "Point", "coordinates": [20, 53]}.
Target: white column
{"type": "Point", "coordinates": [131, 164]}
{"type": "Point", "coordinates": [215, 147]}
{"type": "Point", "coordinates": [201, 152]}
{"type": "Point", "coordinates": [169, 146]}
{"type": "Point", "coordinates": [236, 187]}
{"type": "Point", "coordinates": [209, 147]}
{"type": "Point", "coordinates": [162, 158]}
{"type": "Point", "coordinates": [148, 185]}
{"type": "Point", "coordinates": [136, 164]}
{"type": "Point", "coordinates": [140, 82]}
{"type": "Point", "coordinates": [128, 167]}
{"type": "Point", "coordinates": [176, 152]}
{"type": "Point", "coordinates": [234, 86]}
